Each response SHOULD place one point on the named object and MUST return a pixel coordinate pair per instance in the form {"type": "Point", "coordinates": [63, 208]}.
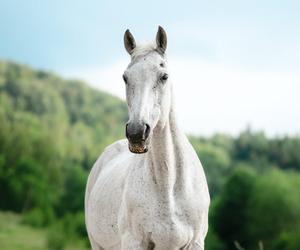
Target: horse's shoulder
{"type": "Point", "coordinates": [109, 153]}
{"type": "Point", "coordinates": [116, 147]}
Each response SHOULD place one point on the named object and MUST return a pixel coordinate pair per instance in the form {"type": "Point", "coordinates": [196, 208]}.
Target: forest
{"type": "Point", "coordinates": [52, 130]}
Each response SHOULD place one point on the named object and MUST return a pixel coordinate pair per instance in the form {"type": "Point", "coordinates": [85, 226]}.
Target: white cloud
{"type": "Point", "coordinates": [213, 98]}
{"type": "Point", "coordinates": [107, 78]}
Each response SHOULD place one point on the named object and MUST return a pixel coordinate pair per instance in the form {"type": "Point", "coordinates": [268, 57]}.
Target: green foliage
{"type": "Point", "coordinates": [67, 229]}
{"type": "Point", "coordinates": [288, 240]}
{"type": "Point", "coordinates": [56, 237]}
{"type": "Point", "coordinates": [213, 242]}
{"type": "Point", "coordinates": [285, 151]}
{"type": "Point", "coordinates": [51, 133]}
{"type": "Point", "coordinates": [38, 217]}
{"type": "Point", "coordinates": [216, 162]}
{"type": "Point", "coordinates": [53, 130]}
{"type": "Point", "coordinates": [74, 224]}
{"type": "Point", "coordinates": [72, 199]}
{"type": "Point", "coordinates": [256, 148]}
{"type": "Point", "coordinates": [274, 208]}
{"type": "Point", "coordinates": [256, 208]}
{"type": "Point", "coordinates": [229, 215]}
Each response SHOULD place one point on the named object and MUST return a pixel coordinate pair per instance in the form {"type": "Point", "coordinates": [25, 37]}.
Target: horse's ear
{"type": "Point", "coordinates": [129, 42]}
{"type": "Point", "coordinates": [161, 40]}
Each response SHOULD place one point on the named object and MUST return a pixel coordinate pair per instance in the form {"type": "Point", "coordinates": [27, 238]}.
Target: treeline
{"type": "Point", "coordinates": [221, 154]}
{"type": "Point", "coordinates": [254, 183]}
{"type": "Point", "coordinates": [52, 130]}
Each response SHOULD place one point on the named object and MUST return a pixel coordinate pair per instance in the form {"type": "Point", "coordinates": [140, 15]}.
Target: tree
{"type": "Point", "coordinates": [274, 208]}
{"type": "Point", "coordinates": [229, 215]}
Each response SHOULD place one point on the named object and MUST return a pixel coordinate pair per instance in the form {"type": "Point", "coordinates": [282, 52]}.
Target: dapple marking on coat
{"type": "Point", "coordinates": [149, 191]}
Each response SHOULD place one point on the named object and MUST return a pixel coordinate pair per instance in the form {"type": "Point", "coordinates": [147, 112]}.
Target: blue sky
{"type": "Point", "coordinates": [214, 47]}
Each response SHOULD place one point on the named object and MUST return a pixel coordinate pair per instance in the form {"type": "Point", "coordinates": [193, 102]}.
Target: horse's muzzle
{"type": "Point", "coordinates": [137, 135]}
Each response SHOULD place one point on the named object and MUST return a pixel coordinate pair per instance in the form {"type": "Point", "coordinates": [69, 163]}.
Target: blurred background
{"type": "Point", "coordinates": [235, 69]}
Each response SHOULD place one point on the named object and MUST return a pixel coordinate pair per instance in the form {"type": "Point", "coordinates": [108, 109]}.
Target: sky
{"type": "Point", "coordinates": [234, 64]}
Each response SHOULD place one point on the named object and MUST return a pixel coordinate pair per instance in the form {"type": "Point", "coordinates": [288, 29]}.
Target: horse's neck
{"type": "Point", "coordinates": [166, 156]}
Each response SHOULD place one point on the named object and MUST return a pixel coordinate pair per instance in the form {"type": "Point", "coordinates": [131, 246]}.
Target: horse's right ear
{"type": "Point", "coordinates": [129, 42]}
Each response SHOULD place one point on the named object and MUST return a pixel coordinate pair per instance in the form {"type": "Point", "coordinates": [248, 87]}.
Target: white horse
{"type": "Point", "coordinates": [154, 195]}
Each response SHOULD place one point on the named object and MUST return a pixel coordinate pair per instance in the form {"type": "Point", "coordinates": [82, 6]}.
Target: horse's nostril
{"type": "Point", "coordinates": [126, 130]}
{"type": "Point", "coordinates": [147, 131]}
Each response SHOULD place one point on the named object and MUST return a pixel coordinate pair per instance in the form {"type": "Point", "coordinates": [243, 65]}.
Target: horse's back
{"type": "Point", "coordinates": [104, 193]}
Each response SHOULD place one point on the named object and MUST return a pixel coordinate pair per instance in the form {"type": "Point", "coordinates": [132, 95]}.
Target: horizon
{"type": "Point", "coordinates": [238, 63]}
{"type": "Point", "coordinates": [245, 129]}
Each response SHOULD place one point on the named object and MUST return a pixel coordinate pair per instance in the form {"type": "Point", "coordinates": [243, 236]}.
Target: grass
{"type": "Point", "coordinates": [14, 235]}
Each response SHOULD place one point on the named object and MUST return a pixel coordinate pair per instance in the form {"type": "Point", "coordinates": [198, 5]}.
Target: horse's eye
{"type": "Point", "coordinates": [164, 77]}
{"type": "Point", "coordinates": [125, 78]}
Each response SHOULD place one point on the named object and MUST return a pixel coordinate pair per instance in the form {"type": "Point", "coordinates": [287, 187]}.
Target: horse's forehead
{"type": "Point", "coordinates": [149, 61]}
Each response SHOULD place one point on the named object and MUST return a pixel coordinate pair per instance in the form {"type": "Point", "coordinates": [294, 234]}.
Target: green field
{"type": "Point", "coordinates": [15, 235]}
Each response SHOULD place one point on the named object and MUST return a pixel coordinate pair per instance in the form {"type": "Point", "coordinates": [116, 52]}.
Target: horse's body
{"type": "Point", "coordinates": [157, 200]}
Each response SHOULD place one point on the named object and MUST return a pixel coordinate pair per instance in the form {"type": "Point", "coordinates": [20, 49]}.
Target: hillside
{"type": "Point", "coordinates": [75, 113]}
{"type": "Point", "coordinates": [52, 130]}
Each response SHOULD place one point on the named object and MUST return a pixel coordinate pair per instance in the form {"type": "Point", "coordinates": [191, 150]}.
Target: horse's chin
{"type": "Point", "coordinates": [138, 148]}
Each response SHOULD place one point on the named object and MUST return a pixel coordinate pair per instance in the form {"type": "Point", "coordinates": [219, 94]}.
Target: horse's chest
{"type": "Point", "coordinates": [166, 219]}
{"type": "Point", "coordinates": [159, 225]}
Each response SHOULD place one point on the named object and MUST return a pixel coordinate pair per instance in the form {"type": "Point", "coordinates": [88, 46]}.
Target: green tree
{"type": "Point", "coordinates": [216, 163]}
{"type": "Point", "coordinates": [274, 208]}
{"type": "Point", "coordinates": [229, 215]}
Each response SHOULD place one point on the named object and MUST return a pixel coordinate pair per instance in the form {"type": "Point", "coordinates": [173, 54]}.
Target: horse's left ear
{"type": "Point", "coordinates": [161, 40]}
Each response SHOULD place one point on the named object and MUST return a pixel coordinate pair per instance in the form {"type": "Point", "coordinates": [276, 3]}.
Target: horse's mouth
{"type": "Point", "coordinates": [138, 148]}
